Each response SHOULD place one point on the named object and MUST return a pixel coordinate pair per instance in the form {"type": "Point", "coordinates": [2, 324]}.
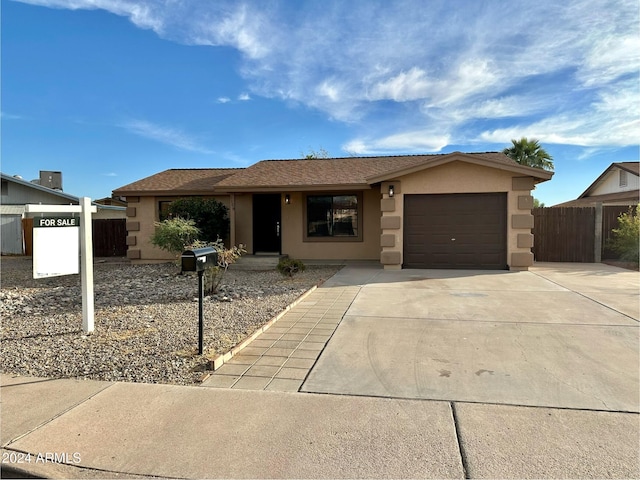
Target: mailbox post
{"type": "Point", "coordinates": [197, 260]}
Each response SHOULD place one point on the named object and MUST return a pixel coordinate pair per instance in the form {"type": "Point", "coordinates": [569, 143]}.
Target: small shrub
{"type": "Point", "coordinates": [173, 234]}
{"type": "Point", "coordinates": [290, 266]}
{"type": "Point", "coordinates": [226, 256]}
{"type": "Point", "coordinates": [626, 238]}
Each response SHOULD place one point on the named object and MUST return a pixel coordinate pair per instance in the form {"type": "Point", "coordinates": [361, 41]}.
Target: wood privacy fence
{"type": "Point", "coordinates": [574, 234]}
{"type": "Point", "coordinates": [109, 237]}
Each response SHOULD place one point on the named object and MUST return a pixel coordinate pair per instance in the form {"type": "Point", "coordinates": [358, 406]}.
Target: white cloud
{"type": "Point", "coordinates": [405, 86]}
{"type": "Point", "coordinates": [10, 116]}
{"type": "Point", "coordinates": [243, 97]}
{"type": "Point", "coordinates": [560, 70]}
{"type": "Point", "coordinates": [415, 141]}
{"type": "Point", "coordinates": [143, 15]}
{"type": "Point", "coordinates": [166, 135]}
{"type": "Point", "coordinates": [611, 120]}
{"type": "Point", "coordinates": [223, 100]}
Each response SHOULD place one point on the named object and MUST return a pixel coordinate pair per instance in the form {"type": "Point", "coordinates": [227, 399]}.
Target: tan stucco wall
{"type": "Point", "coordinates": [293, 228]}
{"type": "Point", "coordinates": [142, 212]}
{"type": "Point", "coordinates": [451, 178]}
{"type": "Point", "coordinates": [243, 228]}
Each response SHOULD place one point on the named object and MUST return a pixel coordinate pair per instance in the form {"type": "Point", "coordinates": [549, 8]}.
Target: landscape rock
{"type": "Point", "coordinates": [146, 320]}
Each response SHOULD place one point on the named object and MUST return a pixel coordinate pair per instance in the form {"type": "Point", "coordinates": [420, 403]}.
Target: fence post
{"type": "Point", "coordinates": [597, 253]}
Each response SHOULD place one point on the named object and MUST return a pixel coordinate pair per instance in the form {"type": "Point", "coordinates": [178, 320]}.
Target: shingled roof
{"type": "Point", "coordinates": [309, 174]}
{"type": "Point", "coordinates": [194, 181]}
{"type": "Point", "coordinates": [353, 172]}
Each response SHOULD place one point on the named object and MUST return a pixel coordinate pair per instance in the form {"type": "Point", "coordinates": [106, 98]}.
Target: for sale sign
{"type": "Point", "coordinates": [56, 246]}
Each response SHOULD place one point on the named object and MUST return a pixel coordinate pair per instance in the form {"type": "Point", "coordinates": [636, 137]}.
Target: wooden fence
{"type": "Point", "coordinates": [574, 234]}
{"type": "Point", "coordinates": [109, 237]}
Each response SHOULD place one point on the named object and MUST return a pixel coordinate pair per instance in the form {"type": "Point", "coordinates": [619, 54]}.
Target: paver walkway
{"type": "Point", "coordinates": [281, 358]}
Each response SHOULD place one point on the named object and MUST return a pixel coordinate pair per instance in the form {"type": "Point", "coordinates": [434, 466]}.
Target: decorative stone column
{"type": "Point", "coordinates": [133, 227]}
{"type": "Point", "coordinates": [522, 222]}
{"type": "Point", "coordinates": [391, 226]}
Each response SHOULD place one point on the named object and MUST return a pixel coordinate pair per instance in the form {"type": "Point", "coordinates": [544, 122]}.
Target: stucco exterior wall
{"type": "Point", "coordinates": [142, 212]}
{"type": "Point", "coordinates": [293, 228]}
{"type": "Point", "coordinates": [243, 228]}
{"type": "Point", "coordinates": [459, 177]}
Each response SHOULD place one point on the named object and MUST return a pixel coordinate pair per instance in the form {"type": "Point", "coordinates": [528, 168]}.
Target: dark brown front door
{"type": "Point", "coordinates": [266, 223]}
{"type": "Point", "coordinates": [456, 231]}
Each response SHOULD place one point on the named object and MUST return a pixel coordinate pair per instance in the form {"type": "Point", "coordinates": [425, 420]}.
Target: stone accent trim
{"type": "Point", "coordinates": [387, 240]}
{"type": "Point", "coordinates": [521, 259]}
{"type": "Point", "coordinates": [133, 254]}
{"type": "Point", "coordinates": [131, 211]}
{"type": "Point", "coordinates": [388, 205]}
{"type": "Point", "coordinates": [525, 240]}
{"type": "Point", "coordinates": [522, 221]}
{"type": "Point", "coordinates": [390, 258]}
{"type": "Point", "coordinates": [390, 223]}
{"type": "Point", "coordinates": [522, 183]}
{"type": "Point", "coordinates": [133, 226]}
{"type": "Point", "coordinates": [133, 199]}
{"type": "Point", "coordinates": [525, 202]}
{"type": "Point", "coordinates": [131, 240]}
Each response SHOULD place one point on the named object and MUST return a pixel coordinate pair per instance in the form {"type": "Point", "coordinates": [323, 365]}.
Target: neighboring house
{"type": "Point", "coordinates": [117, 202]}
{"type": "Point", "coordinates": [457, 210]}
{"type": "Point", "coordinates": [618, 185]}
{"type": "Point", "coordinates": [16, 193]}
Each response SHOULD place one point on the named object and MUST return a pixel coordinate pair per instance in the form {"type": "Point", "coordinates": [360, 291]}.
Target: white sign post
{"type": "Point", "coordinates": [86, 262]}
{"type": "Point", "coordinates": [55, 249]}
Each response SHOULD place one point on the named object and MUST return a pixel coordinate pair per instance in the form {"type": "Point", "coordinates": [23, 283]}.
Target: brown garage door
{"type": "Point", "coordinates": [456, 231]}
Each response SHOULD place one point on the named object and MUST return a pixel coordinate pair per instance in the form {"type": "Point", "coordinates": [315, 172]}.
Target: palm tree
{"type": "Point", "coordinates": [529, 153]}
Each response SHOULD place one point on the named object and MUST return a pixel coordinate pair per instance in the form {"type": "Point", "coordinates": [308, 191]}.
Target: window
{"type": "Point", "coordinates": [623, 178]}
{"type": "Point", "coordinates": [333, 217]}
{"type": "Point", "coordinates": [163, 210]}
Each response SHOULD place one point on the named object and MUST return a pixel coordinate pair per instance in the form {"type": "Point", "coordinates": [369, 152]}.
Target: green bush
{"type": "Point", "coordinates": [290, 266]}
{"type": "Point", "coordinates": [626, 238]}
{"type": "Point", "coordinates": [173, 234]}
{"type": "Point", "coordinates": [209, 215]}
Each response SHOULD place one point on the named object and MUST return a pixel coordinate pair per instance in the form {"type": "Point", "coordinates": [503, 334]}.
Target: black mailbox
{"type": "Point", "coordinates": [198, 259]}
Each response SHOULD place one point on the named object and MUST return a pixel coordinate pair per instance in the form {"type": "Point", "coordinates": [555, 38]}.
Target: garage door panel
{"type": "Point", "coordinates": [455, 231]}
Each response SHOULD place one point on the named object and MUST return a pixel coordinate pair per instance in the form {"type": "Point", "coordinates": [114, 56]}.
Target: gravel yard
{"type": "Point", "coordinates": [146, 320]}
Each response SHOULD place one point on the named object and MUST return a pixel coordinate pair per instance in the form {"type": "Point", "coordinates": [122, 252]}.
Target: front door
{"type": "Point", "coordinates": [266, 223]}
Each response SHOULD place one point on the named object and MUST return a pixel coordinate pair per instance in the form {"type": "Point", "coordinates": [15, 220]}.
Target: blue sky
{"type": "Point", "coordinates": [111, 91]}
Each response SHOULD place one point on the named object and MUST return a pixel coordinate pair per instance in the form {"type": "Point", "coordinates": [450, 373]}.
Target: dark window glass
{"type": "Point", "coordinates": [332, 216]}
{"type": "Point", "coordinates": [163, 210]}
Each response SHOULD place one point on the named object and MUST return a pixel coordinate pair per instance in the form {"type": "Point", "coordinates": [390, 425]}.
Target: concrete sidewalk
{"type": "Point", "coordinates": [85, 429]}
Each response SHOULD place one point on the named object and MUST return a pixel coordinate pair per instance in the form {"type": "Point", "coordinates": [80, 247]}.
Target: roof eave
{"type": "Point", "coordinates": [295, 188]}
{"type": "Point", "coordinates": [602, 175]}
{"type": "Point", "coordinates": [163, 193]}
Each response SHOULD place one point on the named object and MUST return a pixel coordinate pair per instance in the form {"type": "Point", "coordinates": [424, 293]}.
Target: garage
{"type": "Point", "coordinates": [464, 231]}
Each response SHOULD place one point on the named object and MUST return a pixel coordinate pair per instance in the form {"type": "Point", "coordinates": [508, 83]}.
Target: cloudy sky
{"type": "Point", "coordinates": [111, 91]}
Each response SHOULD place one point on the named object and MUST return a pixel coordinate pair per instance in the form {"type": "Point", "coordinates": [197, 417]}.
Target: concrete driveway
{"type": "Point", "coordinates": [559, 335]}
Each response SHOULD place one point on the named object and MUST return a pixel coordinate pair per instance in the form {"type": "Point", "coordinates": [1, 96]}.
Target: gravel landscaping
{"type": "Point", "coordinates": [146, 320]}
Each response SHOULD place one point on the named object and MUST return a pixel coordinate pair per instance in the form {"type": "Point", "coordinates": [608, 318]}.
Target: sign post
{"type": "Point", "coordinates": [86, 262]}
{"type": "Point", "coordinates": [55, 249]}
